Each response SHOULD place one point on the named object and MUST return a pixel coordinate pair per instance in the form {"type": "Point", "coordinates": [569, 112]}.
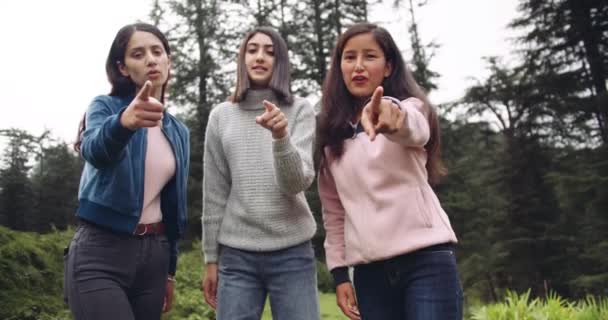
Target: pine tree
{"type": "Point", "coordinates": [524, 118]}
{"type": "Point", "coordinates": [17, 198]}
{"type": "Point", "coordinates": [56, 183]}
{"type": "Point", "coordinates": [421, 58]}
{"type": "Point", "coordinates": [471, 197]}
{"type": "Point", "coordinates": [566, 42]}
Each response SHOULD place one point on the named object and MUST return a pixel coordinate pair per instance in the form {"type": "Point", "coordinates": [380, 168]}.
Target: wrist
{"type": "Point", "coordinates": [395, 103]}
{"type": "Point", "coordinates": [123, 121]}
{"type": "Point", "coordinates": [171, 278]}
{"type": "Point", "coordinates": [279, 135]}
{"type": "Point", "coordinates": [340, 275]}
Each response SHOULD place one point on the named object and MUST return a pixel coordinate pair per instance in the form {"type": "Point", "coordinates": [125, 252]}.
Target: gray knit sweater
{"type": "Point", "coordinates": [253, 185]}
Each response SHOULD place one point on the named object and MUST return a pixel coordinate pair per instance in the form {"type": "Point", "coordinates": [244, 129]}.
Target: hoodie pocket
{"type": "Point", "coordinates": [423, 208]}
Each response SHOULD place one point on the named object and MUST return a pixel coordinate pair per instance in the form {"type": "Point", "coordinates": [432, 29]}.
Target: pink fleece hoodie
{"type": "Point", "coordinates": [377, 202]}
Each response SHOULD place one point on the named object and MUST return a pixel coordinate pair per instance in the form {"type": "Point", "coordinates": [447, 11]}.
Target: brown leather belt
{"type": "Point", "coordinates": [149, 229]}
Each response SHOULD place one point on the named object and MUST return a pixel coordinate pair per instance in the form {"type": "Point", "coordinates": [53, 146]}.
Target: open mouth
{"type": "Point", "coordinates": [153, 74]}
{"type": "Point", "coordinates": [359, 79]}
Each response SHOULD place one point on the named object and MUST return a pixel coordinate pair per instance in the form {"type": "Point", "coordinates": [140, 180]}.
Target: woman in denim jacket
{"type": "Point", "coordinates": [132, 198]}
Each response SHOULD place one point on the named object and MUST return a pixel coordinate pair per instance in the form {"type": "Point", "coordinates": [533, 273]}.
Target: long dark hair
{"type": "Point", "coordinates": [339, 106]}
{"type": "Point", "coordinates": [123, 86]}
{"type": "Point", "coordinates": [280, 82]}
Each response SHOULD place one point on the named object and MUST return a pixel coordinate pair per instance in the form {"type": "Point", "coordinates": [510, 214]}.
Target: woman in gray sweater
{"type": "Point", "coordinates": [258, 162]}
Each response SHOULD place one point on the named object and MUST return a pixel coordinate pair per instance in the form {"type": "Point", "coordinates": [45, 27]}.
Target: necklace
{"type": "Point", "coordinates": [354, 127]}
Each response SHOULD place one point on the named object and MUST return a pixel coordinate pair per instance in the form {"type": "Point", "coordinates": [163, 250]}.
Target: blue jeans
{"type": "Point", "coordinates": [422, 285]}
{"type": "Point", "coordinates": [287, 276]}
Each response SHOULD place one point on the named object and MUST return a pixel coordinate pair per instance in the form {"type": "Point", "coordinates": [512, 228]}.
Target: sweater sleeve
{"type": "Point", "coordinates": [104, 139]}
{"type": "Point", "coordinates": [293, 162]}
{"type": "Point", "coordinates": [415, 131]}
{"type": "Point", "coordinates": [216, 188]}
{"type": "Point", "coordinates": [333, 220]}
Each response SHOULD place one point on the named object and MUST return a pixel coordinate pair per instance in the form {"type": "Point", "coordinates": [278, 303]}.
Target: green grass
{"type": "Point", "coordinates": [523, 307]}
{"type": "Point", "coordinates": [329, 308]}
{"type": "Point", "coordinates": [31, 265]}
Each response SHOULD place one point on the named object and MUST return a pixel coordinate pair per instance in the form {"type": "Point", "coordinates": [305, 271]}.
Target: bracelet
{"type": "Point", "coordinates": [395, 102]}
{"type": "Point", "coordinates": [170, 278]}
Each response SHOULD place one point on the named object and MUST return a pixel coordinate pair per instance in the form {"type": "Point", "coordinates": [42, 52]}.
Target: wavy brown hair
{"type": "Point", "coordinates": [339, 106]}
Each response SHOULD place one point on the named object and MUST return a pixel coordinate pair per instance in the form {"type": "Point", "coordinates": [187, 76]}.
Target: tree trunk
{"type": "Point", "coordinates": [591, 37]}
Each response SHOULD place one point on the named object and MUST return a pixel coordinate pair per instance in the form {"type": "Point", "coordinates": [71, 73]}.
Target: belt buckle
{"type": "Point", "coordinates": [143, 233]}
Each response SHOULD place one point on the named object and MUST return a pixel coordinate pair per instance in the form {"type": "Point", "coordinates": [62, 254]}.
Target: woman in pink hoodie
{"type": "Point", "coordinates": [379, 145]}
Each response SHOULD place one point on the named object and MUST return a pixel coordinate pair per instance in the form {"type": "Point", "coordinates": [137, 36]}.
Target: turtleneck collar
{"type": "Point", "coordinates": [255, 97]}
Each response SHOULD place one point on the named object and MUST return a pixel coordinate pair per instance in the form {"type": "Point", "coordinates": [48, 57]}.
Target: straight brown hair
{"type": "Point", "coordinates": [280, 82]}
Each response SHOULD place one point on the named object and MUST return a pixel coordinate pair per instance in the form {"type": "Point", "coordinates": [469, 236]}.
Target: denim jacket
{"type": "Point", "coordinates": [111, 189]}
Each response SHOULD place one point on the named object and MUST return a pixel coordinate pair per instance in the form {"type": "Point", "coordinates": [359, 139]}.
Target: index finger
{"type": "Point", "coordinates": [269, 106]}
{"type": "Point", "coordinates": [145, 91]}
{"type": "Point", "coordinates": [376, 99]}
{"type": "Point", "coordinates": [367, 124]}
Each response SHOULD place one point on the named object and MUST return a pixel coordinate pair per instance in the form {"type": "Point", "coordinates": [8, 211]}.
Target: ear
{"type": "Point", "coordinates": [388, 69]}
{"type": "Point", "coordinates": [122, 68]}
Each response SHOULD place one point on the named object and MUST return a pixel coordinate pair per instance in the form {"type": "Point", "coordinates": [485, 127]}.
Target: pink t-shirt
{"type": "Point", "coordinates": [160, 168]}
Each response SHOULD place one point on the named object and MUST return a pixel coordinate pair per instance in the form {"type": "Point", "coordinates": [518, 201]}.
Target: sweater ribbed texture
{"type": "Point", "coordinates": [253, 185]}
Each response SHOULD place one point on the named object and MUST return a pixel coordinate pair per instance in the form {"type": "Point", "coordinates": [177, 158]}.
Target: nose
{"type": "Point", "coordinates": [259, 56]}
{"type": "Point", "coordinates": [359, 64]}
{"type": "Point", "coordinates": [150, 59]}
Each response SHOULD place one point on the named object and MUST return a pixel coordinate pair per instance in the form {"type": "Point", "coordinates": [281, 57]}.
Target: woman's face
{"type": "Point", "coordinates": [146, 59]}
{"type": "Point", "coordinates": [259, 60]}
{"type": "Point", "coordinates": [363, 65]}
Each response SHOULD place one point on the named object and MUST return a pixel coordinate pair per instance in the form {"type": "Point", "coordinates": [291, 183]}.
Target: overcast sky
{"type": "Point", "coordinates": [53, 52]}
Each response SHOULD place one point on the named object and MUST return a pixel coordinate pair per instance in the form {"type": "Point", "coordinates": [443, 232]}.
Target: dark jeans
{"type": "Point", "coordinates": [422, 285]}
{"type": "Point", "coordinates": [115, 276]}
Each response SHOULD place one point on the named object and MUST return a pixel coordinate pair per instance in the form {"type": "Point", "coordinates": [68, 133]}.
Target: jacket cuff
{"type": "Point", "coordinates": [117, 131]}
{"type": "Point", "coordinates": [172, 265]}
{"type": "Point", "coordinates": [340, 275]}
{"type": "Point", "coordinates": [173, 252]}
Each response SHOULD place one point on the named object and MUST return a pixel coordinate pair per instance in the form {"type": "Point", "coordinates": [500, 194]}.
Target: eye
{"type": "Point", "coordinates": [371, 56]}
{"type": "Point", "coordinates": [157, 52]}
{"type": "Point", "coordinates": [270, 52]}
{"type": "Point", "coordinates": [137, 55]}
{"type": "Point", "coordinates": [349, 57]}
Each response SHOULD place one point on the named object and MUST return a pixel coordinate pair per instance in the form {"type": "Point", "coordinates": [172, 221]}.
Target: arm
{"type": "Point", "coordinates": [414, 130]}
{"type": "Point", "coordinates": [216, 188]}
{"type": "Point", "coordinates": [105, 138]}
{"type": "Point", "coordinates": [293, 162]}
{"type": "Point", "coordinates": [333, 221]}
